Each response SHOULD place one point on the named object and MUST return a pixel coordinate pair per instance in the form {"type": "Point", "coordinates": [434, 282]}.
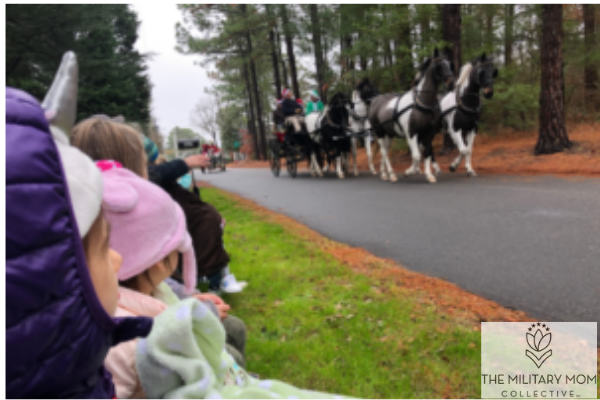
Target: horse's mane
{"type": "Point", "coordinates": [421, 71]}
{"type": "Point", "coordinates": [465, 71]}
{"type": "Point", "coordinates": [362, 82]}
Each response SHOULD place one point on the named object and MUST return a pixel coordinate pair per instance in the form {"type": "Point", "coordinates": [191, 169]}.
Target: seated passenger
{"type": "Point", "coordinates": [292, 111]}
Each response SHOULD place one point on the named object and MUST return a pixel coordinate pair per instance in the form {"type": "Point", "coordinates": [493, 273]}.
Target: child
{"type": "Point", "coordinates": [61, 285]}
{"type": "Point", "coordinates": [185, 356]}
{"type": "Point", "coordinates": [101, 138]}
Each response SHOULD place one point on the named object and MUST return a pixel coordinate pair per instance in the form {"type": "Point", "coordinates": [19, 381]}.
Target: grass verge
{"type": "Point", "coordinates": [326, 316]}
{"type": "Point", "coordinates": [318, 324]}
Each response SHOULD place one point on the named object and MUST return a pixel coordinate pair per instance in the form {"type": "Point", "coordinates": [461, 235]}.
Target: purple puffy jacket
{"type": "Point", "coordinates": [57, 332]}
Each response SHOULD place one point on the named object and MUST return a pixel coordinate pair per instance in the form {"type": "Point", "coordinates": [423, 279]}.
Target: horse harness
{"type": "Point", "coordinates": [459, 100]}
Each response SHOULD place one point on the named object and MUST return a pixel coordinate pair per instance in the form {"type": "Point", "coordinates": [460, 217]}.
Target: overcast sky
{"type": "Point", "coordinates": [177, 83]}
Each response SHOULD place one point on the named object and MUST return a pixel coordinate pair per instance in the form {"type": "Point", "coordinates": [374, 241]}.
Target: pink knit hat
{"type": "Point", "coordinates": [146, 225]}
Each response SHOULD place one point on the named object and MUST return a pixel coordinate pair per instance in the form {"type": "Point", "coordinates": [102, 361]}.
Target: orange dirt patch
{"type": "Point", "coordinates": [393, 277]}
{"type": "Point", "coordinates": [511, 152]}
{"type": "Point", "coordinates": [248, 164]}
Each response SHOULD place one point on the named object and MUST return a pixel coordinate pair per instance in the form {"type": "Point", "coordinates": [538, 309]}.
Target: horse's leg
{"type": "Point", "coordinates": [354, 157]}
{"type": "Point", "coordinates": [315, 164]}
{"type": "Point", "coordinates": [436, 167]}
{"type": "Point", "coordinates": [338, 161]}
{"type": "Point", "coordinates": [413, 144]}
{"type": "Point", "coordinates": [458, 140]}
{"type": "Point", "coordinates": [470, 142]}
{"type": "Point", "coordinates": [428, 155]}
{"type": "Point", "coordinates": [393, 177]}
{"type": "Point", "coordinates": [383, 151]}
{"type": "Point", "coordinates": [368, 140]}
{"type": "Point", "coordinates": [327, 162]}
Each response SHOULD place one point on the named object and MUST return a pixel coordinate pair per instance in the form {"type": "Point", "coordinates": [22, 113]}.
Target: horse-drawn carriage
{"type": "Point", "coordinates": [325, 138]}
{"type": "Point", "coordinates": [216, 158]}
{"type": "Point", "coordinates": [291, 146]}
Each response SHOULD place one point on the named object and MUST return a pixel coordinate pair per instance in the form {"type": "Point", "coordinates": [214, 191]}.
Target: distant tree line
{"type": "Point", "coordinates": [253, 51]}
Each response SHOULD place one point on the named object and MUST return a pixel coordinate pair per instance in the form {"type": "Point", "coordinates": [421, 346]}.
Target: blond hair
{"type": "Point", "coordinates": [103, 139]}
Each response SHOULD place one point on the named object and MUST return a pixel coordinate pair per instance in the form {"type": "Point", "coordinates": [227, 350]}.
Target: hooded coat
{"type": "Point", "coordinates": [57, 332]}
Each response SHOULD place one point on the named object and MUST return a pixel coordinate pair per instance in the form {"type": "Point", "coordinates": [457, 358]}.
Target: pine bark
{"type": "Point", "coordinates": [592, 98]}
{"type": "Point", "coordinates": [251, 116]}
{"type": "Point", "coordinates": [509, 15]}
{"type": "Point", "coordinates": [552, 131]}
{"type": "Point", "coordinates": [289, 42]}
{"type": "Point", "coordinates": [404, 59]}
{"type": "Point", "coordinates": [275, 61]}
{"type": "Point", "coordinates": [284, 72]}
{"type": "Point", "coordinates": [318, 50]}
{"type": "Point", "coordinates": [262, 152]}
{"type": "Point", "coordinates": [451, 31]}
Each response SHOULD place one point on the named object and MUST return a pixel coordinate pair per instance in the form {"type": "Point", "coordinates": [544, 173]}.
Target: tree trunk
{"type": "Point", "coordinates": [259, 113]}
{"type": "Point", "coordinates": [276, 77]}
{"type": "Point", "coordinates": [289, 41]}
{"type": "Point", "coordinates": [362, 59]}
{"type": "Point", "coordinates": [489, 27]}
{"type": "Point", "coordinates": [286, 82]}
{"type": "Point", "coordinates": [261, 126]}
{"type": "Point", "coordinates": [425, 24]}
{"type": "Point", "coordinates": [251, 116]}
{"type": "Point", "coordinates": [451, 33]}
{"type": "Point", "coordinates": [552, 132]}
{"type": "Point", "coordinates": [318, 50]}
{"type": "Point", "coordinates": [404, 56]}
{"type": "Point", "coordinates": [592, 99]}
{"type": "Point", "coordinates": [509, 15]}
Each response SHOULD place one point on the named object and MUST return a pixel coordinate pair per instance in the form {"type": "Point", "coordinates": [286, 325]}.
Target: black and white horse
{"type": "Point", "coordinates": [461, 107]}
{"type": "Point", "coordinates": [328, 130]}
{"type": "Point", "coordinates": [362, 96]}
{"type": "Point", "coordinates": [413, 115]}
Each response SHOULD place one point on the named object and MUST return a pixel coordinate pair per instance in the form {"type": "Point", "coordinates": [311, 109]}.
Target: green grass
{"type": "Point", "coordinates": [315, 323]}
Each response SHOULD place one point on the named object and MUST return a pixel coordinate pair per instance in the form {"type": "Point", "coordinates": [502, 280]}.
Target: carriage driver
{"type": "Point", "coordinates": [292, 111]}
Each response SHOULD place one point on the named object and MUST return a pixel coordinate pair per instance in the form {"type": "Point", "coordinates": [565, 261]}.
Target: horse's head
{"type": "Point", "coordinates": [442, 70]}
{"type": "Point", "coordinates": [366, 90]}
{"type": "Point", "coordinates": [338, 106]}
{"type": "Point", "coordinates": [485, 73]}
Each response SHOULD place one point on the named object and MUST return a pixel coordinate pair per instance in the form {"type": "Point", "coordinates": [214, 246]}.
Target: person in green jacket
{"type": "Point", "coordinates": [315, 104]}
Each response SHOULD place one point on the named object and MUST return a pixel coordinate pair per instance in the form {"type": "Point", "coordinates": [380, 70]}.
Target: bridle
{"type": "Point", "coordinates": [420, 105]}
{"type": "Point", "coordinates": [337, 105]}
{"type": "Point", "coordinates": [459, 100]}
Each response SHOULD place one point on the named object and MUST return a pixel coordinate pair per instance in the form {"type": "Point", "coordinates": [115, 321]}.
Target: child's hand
{"type": "Point", "coordinates": [210, 297]}
{"type": "Point", "coordinates": [223, 308]}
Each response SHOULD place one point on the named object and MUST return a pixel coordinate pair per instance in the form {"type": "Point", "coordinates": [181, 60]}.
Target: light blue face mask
{"type": "Point", "coordinates": [185, 181]}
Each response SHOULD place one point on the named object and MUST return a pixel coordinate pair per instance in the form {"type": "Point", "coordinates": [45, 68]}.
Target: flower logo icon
{"type": "Point", "coordinates": [538, 342]}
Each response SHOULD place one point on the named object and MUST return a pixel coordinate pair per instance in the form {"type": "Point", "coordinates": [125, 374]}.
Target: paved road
{"type": "Point", "coordinates": [531, 244]}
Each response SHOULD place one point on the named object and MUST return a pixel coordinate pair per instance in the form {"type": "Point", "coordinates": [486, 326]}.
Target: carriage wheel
{"type": "Point", "coordinates": [275, 163]}
{"type": "Point", "coordinates": [292, 166]}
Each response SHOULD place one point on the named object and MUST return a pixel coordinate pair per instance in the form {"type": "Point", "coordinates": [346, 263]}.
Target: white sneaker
{"type": "Point", "coordinates": [230, 285]}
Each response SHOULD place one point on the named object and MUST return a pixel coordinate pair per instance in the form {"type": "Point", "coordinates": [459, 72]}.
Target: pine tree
{"type": "Point", "coordinates": [552, 132]}
{"type": "Point", "coordinates": [112, 73]}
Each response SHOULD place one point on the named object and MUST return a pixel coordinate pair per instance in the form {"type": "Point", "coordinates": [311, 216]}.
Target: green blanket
{"type": "Point", "coordinates": [184, 357]}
